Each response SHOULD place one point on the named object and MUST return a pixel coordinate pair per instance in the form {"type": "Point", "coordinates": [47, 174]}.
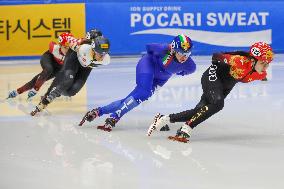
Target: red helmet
{"type": "Point", "coordinates": [262, 51]}
{"type": "Point", "coordinates": [62, 39]}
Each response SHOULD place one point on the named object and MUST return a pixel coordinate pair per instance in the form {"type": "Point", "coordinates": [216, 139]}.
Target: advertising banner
{"type": "Point", "coordinates": [213, 26]}
{"type": "Point", "coordinates": [26, 30]}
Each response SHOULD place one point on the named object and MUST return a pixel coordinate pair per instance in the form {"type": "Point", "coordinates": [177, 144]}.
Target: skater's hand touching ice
{"type": "Point", "coordinates": [89, 116]}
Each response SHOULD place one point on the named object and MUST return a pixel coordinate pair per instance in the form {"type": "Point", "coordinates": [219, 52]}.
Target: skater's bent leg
{"type": "Point", "coordinates": [215, 103]}
{"type": "Point", "coordinates": [43, 77]}
{"type": "Point", "coordinates": [116, 105]}
{"type": "Point", "coordinates": [125, 106]}
{"type": "Point", "coordinates": [110, 107]}
{"type": "Point", "coordinates": [185, 115]}
{"type": "Point", "coordinates": [142, 92]}
{"type": "Point", "coordinates": [79, 81]}
{"type": "Point", "coordinates": [74, 89]}
{"type": "Point", "coordinates": [215, 98]}
{"type": "Point", "coordinates": [144, 81]}
{"type": "Point", "coordinates": [205, 112]}
{"type": "Point", "coordinates": [69, 71]}
{"type": "Point", "coordinates": [63, 85]}
{"type": "Point", "coordinates": [49, 66]}
{"type": "Point", "coordinates": [58, 78]}
{"type": "Point", "coordinates": [211, 102]}
{"type": "Point", "coordinates": [29, 85]}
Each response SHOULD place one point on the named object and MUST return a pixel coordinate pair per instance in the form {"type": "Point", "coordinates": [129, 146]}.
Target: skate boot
{"type": "Point", "coordinates": [109, 124]}
{"type": "Point", "coordinates": [165, 128]}
{"type": "Point", "coordinates": [264, 79]}
{"type": "Point", "coordinates": [90, 116]}
{"type": "Point", "coordinates": [31, 94]}
{"type": "Point", "coordinates": [12, 94]}
{"type": "Point", "coordinates": [38, 109]}
{"type": "Point", "coordinates": [183, 134]}
{"type": "Point", "coordinates": [160, 122]}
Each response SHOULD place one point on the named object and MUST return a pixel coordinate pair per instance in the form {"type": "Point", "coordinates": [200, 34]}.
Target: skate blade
{"type": "Point", "coordinates": [151, 130]}
{"type": "Point", "coordinates": [104, 129]}
{"type": "Point", "coordinates": [165, 128]}
{"type": "Point", "coordinates": [81, 123]}
{"type": "Point", "coordinates": [33, 113]}
{"type": "Point", "coordinates": [179, 139]}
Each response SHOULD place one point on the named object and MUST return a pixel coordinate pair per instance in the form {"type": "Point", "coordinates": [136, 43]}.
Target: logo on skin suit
{"type": "Point", "coordinates": [104, 46]}
{"type": "Point", "coordinates": [185, 46]}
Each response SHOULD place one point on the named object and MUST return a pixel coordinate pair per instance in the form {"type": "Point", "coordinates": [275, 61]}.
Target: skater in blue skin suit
{"type": "Point", "coordinates": [153, 70]}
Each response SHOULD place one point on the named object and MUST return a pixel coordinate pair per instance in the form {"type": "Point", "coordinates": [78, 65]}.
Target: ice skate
{"type": "Point", "coordinates": [160, 122]}
{"type": "Point", "coordinates": [183, 134]}
{"type": "Point", "coordinates": [38, 109]}
{"type": "Point", "coordinates": [12, 94]}
{"type": "Point", "coordinates": [31, 94]}
{"type": "Point", "coordinates": [109, 124]}
{"type": "Point", "coordinates": [264, 79]}
{"type": "Point", "coordinates": [90, 116]}
{"type": "Point", "coordinates": [165, 128]}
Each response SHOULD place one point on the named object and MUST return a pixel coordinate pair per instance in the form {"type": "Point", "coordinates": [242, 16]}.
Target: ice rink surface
{"type": "Point", "coordinates": [242, 147]}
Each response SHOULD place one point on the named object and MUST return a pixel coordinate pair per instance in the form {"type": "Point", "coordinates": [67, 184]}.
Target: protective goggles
{"type": "Point", "coordinates": [101, 53]}
{"type": "Point", "coordinates": [187, 54]}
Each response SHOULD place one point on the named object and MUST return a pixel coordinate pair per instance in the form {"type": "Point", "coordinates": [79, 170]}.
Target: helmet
{"type": "Point", "coordinates": [261, 51]}
{"type": "Point", "coordinates": [62, 38]}
{"type": "Point", "coordinates": [182, 44]}
{"type": "Point", "coordinates": [101, 45]}
{"type": "Point", "coordinates": [93, 33]}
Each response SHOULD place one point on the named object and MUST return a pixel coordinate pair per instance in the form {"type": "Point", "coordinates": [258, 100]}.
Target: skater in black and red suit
{"type": "Point", "coordinates": [51, 62]}
{"type": "Point", "coordinates": [217, 81]}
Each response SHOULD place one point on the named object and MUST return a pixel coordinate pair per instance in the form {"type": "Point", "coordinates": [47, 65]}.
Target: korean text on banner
{"type": "Point", "coordinates": [26, 30]}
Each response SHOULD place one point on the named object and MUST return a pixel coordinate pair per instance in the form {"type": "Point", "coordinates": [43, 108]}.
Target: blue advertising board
{"type": "Point", "coordinates": [213, 26]}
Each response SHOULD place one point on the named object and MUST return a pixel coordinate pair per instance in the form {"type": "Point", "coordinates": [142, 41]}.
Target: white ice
{"type": "Point", "coordinates": [242, 147]}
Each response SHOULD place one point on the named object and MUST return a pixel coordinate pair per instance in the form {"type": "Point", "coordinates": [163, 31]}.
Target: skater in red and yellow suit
{"type": "Point", "coordinates": [217, 81]}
